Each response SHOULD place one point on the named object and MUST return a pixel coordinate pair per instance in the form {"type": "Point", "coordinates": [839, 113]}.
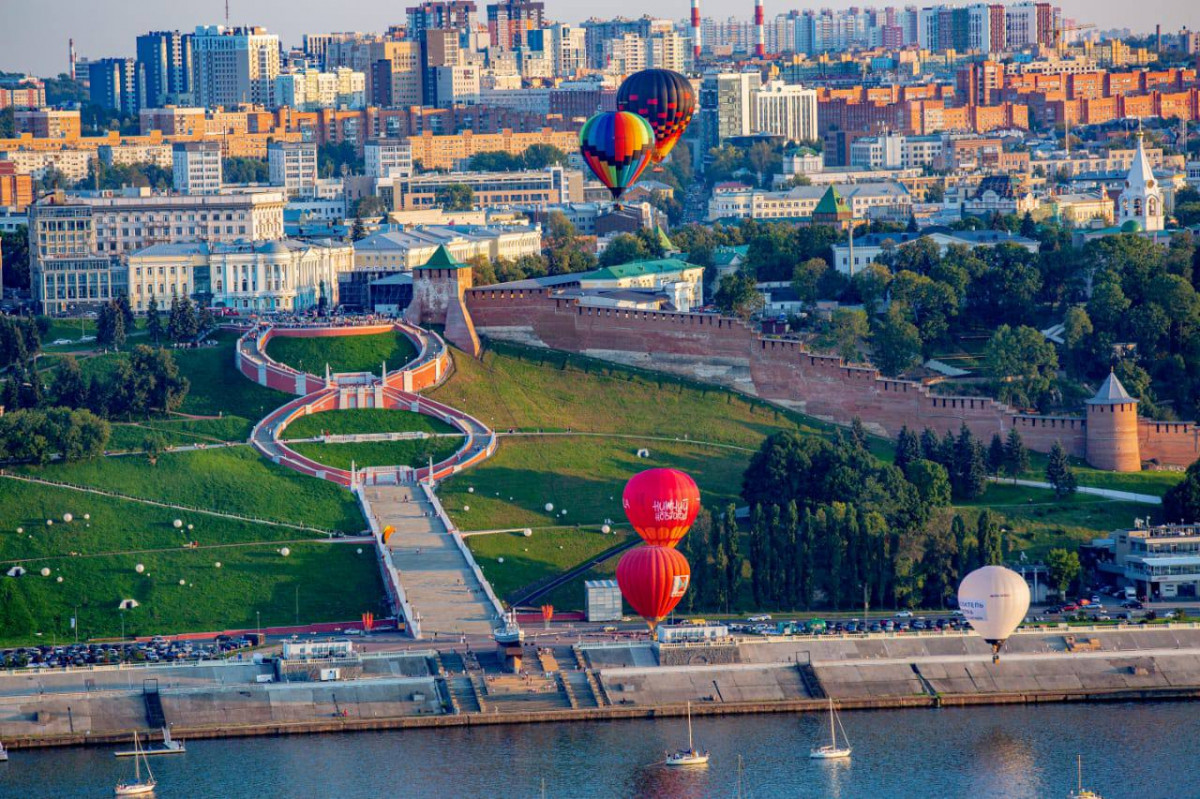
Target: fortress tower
{"type": "Point", "coordinates": [438, 288]}
{"type": "Point", "coordinates": [1112, 429]}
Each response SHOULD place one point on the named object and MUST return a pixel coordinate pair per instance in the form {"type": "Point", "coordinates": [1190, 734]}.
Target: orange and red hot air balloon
{"type": "Point", "coordinates": [661, 505]}
{"type": "Point", "coordinates": [653, 580]}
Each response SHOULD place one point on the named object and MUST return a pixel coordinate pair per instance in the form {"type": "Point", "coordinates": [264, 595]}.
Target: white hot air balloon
{"type": "Point", "coordinates": [995, 600]}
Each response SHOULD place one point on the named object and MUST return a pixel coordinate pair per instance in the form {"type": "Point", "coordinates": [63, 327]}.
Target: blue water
{"type": "Point", "coordinates": [1142, 751]}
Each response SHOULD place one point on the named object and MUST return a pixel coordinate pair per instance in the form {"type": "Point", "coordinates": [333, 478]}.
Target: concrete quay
{"type": "Point", "coordinates": [454, 686]}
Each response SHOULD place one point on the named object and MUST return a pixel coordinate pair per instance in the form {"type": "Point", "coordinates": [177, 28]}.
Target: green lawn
{"type": "Point", "coordinates": [411, 452]}
{"type": "Point", "coordinates": [528, 389]}
{"type": "Point", "coordinates": [544, 554]}
{"type": "Point", "coordinates": [582, 475]}
{"type": "Point", "coordinates": [116, 525]}
{"type": "Point", "coordinates": [230, 479]}
{"type": "Point", "coordinates": [365, 420]}
{"type": "Point", "coordinates": [177, 431]}
{"type": "Point", "coordinates": [330, 582]}
{"type": "Point", "coordinates": [1040, 521]}
{"type": "Point", "coordinates": [1155, 483]}
{"type": "Point", "coordinates": [343, 353]}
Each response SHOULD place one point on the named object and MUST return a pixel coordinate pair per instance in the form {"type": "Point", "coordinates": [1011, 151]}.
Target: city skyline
{"type": "Point", "coordinates": [37, 43]}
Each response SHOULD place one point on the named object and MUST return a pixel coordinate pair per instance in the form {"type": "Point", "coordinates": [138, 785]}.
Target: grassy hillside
{"type": "Point", "coordinates": [343, 353]}
{"type": "Point", "coordinates": [364, 420]}
{"type": "Point", "coordinates": [412, 452]}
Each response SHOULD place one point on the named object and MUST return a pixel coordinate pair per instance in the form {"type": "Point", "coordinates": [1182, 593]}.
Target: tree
{"type": "Point", "coordinates": [110, 327]}
{"type": "Point", "coordinates": [622, 249]}
{"type": "Point", "coordinates": [358, 232]}
{"type": "Point", "coordinates": [990, 542]}
{"type": "Point", "coordinates": [738, 295]}
{"type": "Point", "coordinates": [895, 343]}
{"type": "Point", "coordinates": [1064, 568]}
{"type": "Point", "coordinates": [123, 307]}
{"type": "Point", "coordinates": [908, 449]}
{"type": "Point", "coordinates": [182, 325]}
{"type": "Point", "coordinates": [245, 170]}
{"type": "Point", "coordinates": [1023, 363]}
{"type": "Point", "coordinates": [158, 384]}
{"type": "Point", "coordinates": [154, 325]}
{"type": "Point", "coordinates": [871, 286]}
{"type": "Point", "coordinates": [968, 472]}
{"type": "Point", "coordinates": [845, 333]}
{"type": "Point", "coordinates": [1016, 456]}
{"type": "Point", "coordinates": [370, 206]}
{"type": "Point", "coordinates": [540, 156]}
{"type": "Point", "coordinates": [1182, 502]}
{"type": "Point", "coordinates": [931, 481]}
{"type": "Point", "coordinates": [1059, 473]}
{"type": "Point", "coordinates": [14, 247]}
{"type": "Point", "coordinates": [455, 197]}
{"type": "Point", "coordinates": [806, 280]}
{"type": "Point", "coordinates": [153, 445]}
{"type": "Point", "coordinates": [70, 389]}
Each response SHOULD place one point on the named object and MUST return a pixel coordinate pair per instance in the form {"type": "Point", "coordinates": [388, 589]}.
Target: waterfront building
{"type": "Point", "coordinates": [603, 600]}
{"type": "Point", "coordinates": [1159, 561]}
{"type": "Point", "coordinates": [196, 167]}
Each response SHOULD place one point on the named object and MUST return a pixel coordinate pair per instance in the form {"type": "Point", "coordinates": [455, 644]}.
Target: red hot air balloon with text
{"type": "Point", "coordinates": [661, 504]}
{"type": "Point", "coordinates": [653, 580]}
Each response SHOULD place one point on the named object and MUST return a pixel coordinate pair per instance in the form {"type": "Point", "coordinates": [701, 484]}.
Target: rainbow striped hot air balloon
{"type": "Point", "coordinates": [617, 145]}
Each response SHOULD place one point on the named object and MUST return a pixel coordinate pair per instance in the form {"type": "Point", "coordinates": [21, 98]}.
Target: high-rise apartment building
{"type": "Point", "coordinates": [727, 106]}
{"type": "Point", "coordinates": [232, 66]}
{"type": "Point", "coordinates": [395, 74]}
{"type": "Point", "coordinates": [456, 15]}
{"type": "Point", "coordinates": [115, 83]}
{"type": "Point", "coordinates": [197, 167]}
{"type": "Point", "coordinates": [165, 60]}
{"type": "Point", "coordinates": [509, 21]}
{"type": "Point", "coordinates": [387, 158]}
{"type": "Point", "coordinates": [567, 45]}
{"type": "Point", "coordinates": [311, 90]}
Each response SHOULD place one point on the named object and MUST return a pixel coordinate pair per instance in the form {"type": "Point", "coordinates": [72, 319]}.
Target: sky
{"type": "Point", "coordinates": [34, 33]}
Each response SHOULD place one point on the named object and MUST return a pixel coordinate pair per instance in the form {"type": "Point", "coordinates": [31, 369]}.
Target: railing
{"type": "Point", "coordinates": [461, 543]}
{"type": "Point", "coordinates": [391, 575]}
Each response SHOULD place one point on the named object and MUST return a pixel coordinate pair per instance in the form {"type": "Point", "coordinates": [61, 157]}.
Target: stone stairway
{"type": "Point", "coordinates": [581, 689]}
{"type": "Point", "coordinates": [462, 695]}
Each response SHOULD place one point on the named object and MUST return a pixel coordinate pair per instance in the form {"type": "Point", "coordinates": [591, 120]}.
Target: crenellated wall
{"type": "Point", "coordinates": [714, 349]}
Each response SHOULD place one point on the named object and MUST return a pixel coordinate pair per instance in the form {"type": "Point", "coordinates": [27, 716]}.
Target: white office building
{"type": "Point", "coordinates": [293, 165]}
{"type": "Point", "coordinates": [234, 66]}
{"type": "Point", "coordinates": [388, 158]}
{"type": "Point", "coordinates": [787, 110]}
{"type": "Point", "coordinates": [197, 167]}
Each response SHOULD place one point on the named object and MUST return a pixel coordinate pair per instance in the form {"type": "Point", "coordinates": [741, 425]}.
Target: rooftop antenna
{"type": "Point", "coordinates": [227, 13]}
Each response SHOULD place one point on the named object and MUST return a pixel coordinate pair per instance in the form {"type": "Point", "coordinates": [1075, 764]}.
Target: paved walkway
{"type": "Point", "coordinates": [1124, 496]}
{"type": "Point", "coordinates": [438, 581]}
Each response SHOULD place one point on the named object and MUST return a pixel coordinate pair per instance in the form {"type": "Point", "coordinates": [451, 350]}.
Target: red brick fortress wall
{"type": "Point", "coordinates": [726, 351]}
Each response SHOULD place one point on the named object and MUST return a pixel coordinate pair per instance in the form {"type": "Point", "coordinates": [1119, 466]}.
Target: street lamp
{"type": "Point", "coordinates": [258, 616]}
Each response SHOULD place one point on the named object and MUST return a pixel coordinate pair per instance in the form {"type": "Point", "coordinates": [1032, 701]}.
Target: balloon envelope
{"type": "Point", "coordinates": [653, 580]}
{"type": "Point", "coordinates": [617, 146]}
{"type": "Point", "coordinates": [661, 505]}
{"type": "Point", "coordinates": [663, 98]}
{"type": "Point", "coordinates": [995, 600]}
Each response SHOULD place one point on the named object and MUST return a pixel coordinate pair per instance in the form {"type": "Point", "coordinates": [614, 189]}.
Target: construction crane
{"type": "Point", "coordinates": [1060, 29]}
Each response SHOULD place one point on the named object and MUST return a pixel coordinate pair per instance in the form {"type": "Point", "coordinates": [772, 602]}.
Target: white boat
{"type": "Point", "coordinates": [690, 756]}
{"type": "Point", "coordinates": [169, 747]}
{"type": "Point", "coordinates": [831, 750]}
{"type": "Point", "coordinates": [137, 787]}
{"type": "Point", "coordinates": [1080, 792]}
{"type": "Point", "coordinates": [3, 754]}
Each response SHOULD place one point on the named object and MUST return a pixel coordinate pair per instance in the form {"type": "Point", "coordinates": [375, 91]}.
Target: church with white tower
{"type": "Point", "coordinates": [1141, 201]}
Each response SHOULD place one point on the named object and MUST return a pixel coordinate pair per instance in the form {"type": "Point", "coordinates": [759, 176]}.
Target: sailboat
{"type": "Point", "coordinates": [690, 756]}
{"type": "Point", "coordinates": [1080, 792]}
{"type": "Point", "coordinates": [169, 747]}
{"type": "Point", "coordinates": [3, 754]}
{"type": "Point", "coordinates": [831, 750]}
{"type": "Point", "coordinates": [137, 787]}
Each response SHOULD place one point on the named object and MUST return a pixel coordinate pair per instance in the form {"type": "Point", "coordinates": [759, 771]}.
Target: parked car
{"type": "Point", "coordinates": [904, 614]}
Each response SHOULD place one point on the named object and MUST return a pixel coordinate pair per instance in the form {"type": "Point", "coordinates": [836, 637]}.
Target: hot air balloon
{"type": "Point", "coordinates": [661, 505]}
{"type": "Point", "coordinates": [995, 600]}
{"type": "Point", "coordinates": [653, 580]}
{"type": "Point", "coordinates": [617, 145]}
{"type": "Point", "coordinates": [663, 98]}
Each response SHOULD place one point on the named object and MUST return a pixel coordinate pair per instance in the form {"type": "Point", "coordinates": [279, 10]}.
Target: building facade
{"type": "Point", "coordinates": [293, 166]}
{"type": "Point", "coordinates": [233, 66]}
{"type": "Point", "coordinates": [196, 167]}
{"type": "Point", "coordinates": [165, 61]}
{"type": "Point", "coordinates": [1140, 206]}
{"type": "Point", "coordinates": [787, 110]}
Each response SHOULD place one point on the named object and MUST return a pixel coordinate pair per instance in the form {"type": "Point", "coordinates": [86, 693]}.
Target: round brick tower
{"type": "Point", "coordinates": [1112, 429]}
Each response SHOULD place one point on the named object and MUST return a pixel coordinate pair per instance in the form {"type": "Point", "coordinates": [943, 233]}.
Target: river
{"type": "Point", "coordinates": [1142, 750]}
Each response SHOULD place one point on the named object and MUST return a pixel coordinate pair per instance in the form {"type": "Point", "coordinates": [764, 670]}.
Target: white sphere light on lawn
{"type": "Point", "coordinates": [499, 560]}
{"type": "Point", "coordinates": [285, 552]}
{"type": "Point", "coordinates": [466, 508]}
{"type": "Point", "coordinates": [191, 527]}
{"type": "Point", "coordinates": [359, 550]}
{"type": "Point", "coordinates": [183, 582]}
{"type": "Point", "coordinates": [68, 518]}
{"type": "Point", "coordinates": [217, 564]}
{"type": "Point", "coordinates": [45, 572]}
{"type": "Point", "coordinates": [87, 517]}
{"type": "Point", "coordinates": [528, 533]}
{"type": "Point", "coordinates": [139, 568]}
{"type": "Point", "coordinates": [20, 531]}
{"type": "Point", "coordinates": [49, 522]}
{"type": "Point", "coordinates": [604, 528]}
{"type": "Point", "coordinates": [470, 489]}
{"type": "Point", "coordinates": [58, 579]}
{"type": "Point", "coordinates": [549, 507]}
{"type": "Point", "coordinates": [177, 523]}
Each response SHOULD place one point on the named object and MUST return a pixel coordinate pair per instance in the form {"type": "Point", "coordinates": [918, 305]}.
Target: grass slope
{"type": "Point", "coordinates": [528, 389]}
{"type": "Point", "coordinates": [580, 474]}
{"type": "Point", "coordinates": [330, 582]}
{"type": "Point", "coordinates": [229, 479]}
{"type": "Point", "coordinates": [381, 453]}
{"type": "Point", "coordinates": [531, 560]}
{"type": "Point", "coordinates": [343, 353]}
{"type": "Point", "coordinates": [364, 420]}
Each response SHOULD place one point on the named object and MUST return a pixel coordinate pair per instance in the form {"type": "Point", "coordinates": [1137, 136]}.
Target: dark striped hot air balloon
{"type": "Point", "coordinates": [665, 99]}
{"type": "Point", "coordinates": [617, 145]}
